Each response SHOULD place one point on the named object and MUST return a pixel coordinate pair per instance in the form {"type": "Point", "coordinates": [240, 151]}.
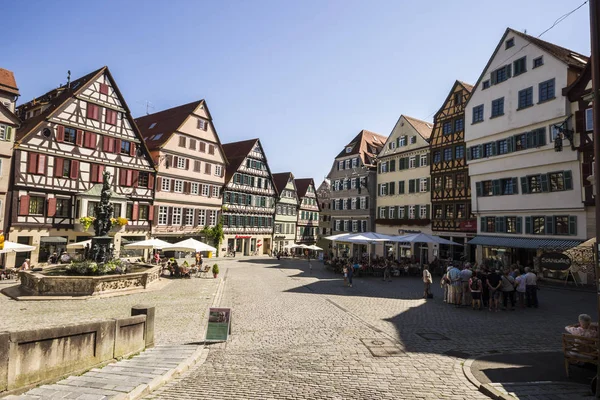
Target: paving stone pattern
{"type": "Point", "coordinates": [544, 391]}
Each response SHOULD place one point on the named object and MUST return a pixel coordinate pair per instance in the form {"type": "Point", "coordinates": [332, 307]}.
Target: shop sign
{"type": "Point", "coordinates": [470, 225]}
{"type": "Point", "coordinates": [555, 261]}
{"type": "Point", "coordinates": [219, 324]}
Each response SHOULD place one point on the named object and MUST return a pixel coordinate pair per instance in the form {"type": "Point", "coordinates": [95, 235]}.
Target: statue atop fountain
{"type": "Point", "coordinates": [102, 244]}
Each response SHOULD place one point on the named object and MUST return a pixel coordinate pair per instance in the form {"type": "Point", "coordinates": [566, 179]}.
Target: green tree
{"type": "Point", "coordinates": [214, 235]}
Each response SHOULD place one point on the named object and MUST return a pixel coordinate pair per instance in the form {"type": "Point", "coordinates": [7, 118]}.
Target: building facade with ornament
{"type": "Point", "coordinates": [307, 231]}
{"type": "Point", "coordinates": [286, 210]}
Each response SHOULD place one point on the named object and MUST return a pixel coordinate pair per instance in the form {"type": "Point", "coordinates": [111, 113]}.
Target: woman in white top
{"type": "Point", "coordinates": [426, 281]}
{"type": "Point", "coordinates": [520, 282]}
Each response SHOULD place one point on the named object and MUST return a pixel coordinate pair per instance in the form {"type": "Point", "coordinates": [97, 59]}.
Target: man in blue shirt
{"type": "Point", "coordinates": [455, 285]}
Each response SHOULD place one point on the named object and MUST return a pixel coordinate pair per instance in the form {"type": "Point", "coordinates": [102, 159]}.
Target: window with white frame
{"type": "Point", "coordinates": [401, 213]}
{"type": "Point", "coordinates": [423, 161]}
{"type": "Point", "coordinates": [194, 188]}
{"type": "Point", "coordinates": [402, 141]}
{"type": "Point", "coordinates": [165, 185]}
{"type": "Point", "coordinates": [345, 204]}
{"type": "Point", "coordinates": [340, 165]}
{"type": "Point", "coordinates": [554, 132]}
{"type": "Point", "coordinates": [212, 218]}
{"type": "Point", "coordinates": [346, 225]}
{"type": "Point", "coordinates": [218, 170]}
{"type": "Point", "coordinates": [347, 164]}
{"type": "Point", "coordinates": [176, 216]}
{"type": "Point", "coordinates": [382, 212]}
{"type": "Point", "coordinates": [411, 212]}
{"type": "Point", "coordinates": [423, 185]}
{"type": "Point", "coordinates": [413, 139]}
{"type": "Point", "coordinates": [383, 167]}
{"type": "Point", "coordinates": [355, 162]}
{"type": "Point", "coordinates": [423, 212]}
{"type": "Point", "coordinates": [163, 214]}
{"type": "Point", "coordinates": [589, 119]}
{"type": "Point", "coordinates": [363, 226]}
{"type": "Point", "coordinates": [178, 186]}
{"type": "Point", "coordinates": [354, 226]}
{"type": "Point", "coordinates": [363, 203]}
{"type": "Point", "coordinates": [205, 190]}
{"type": "Point", "coordinates": [189, 217]}
{"type": "Point", "coordinates": [392, 212]}
{"type": "Point", "coordinates": [215, 191]}
{"type": "Point", "coordinates": [412, 162]}
{"type": "Point", "coordinates": [353, 205]}
{"type": "Point", "coordinates": [201, 217]}
{"type": "Point", "coordinates": [181, 162]}
{"type": "Point", "coordinates": [352, 183]}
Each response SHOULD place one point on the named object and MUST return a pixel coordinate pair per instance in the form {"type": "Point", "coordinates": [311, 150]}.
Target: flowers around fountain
{"type": "Point", "coordinates": [89, 267]}
{"type": "Point", "coordinates": [119, 221]}
{"type": "Point", "coordinates": [87, 222]}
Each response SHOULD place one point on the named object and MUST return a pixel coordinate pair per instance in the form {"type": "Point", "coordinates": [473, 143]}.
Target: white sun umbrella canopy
{"type": "Point", "coordinates": [339, 237]}
{"type": "Point", "coordinates": [290, 246]}
{"type": "Point", "coordinates": [147, 244]}
{"type": "Point", "coordinates": [368, 237]}
{"type": "Point", "coordinates": [422, 238]}
{"type": "Point", "coordinates": [12, 247]}
{"type": "Point", "coordinates": [79, 245]}
{"type": "Point", "coordinates": [314, 247]}
{"type": "Point", "coordinates": [189, 245]}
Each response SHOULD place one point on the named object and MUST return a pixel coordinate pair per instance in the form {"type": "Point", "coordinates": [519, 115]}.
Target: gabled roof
{"type": "Point", "coordinates": [236, 152]}
{"type": "Point", "coordinates": [280, 181]}
{"type": "Point", "coordinates": [9, 114]}
{"type": "Point", "coordinates": [165, 122]}
{"type": "Point", "coordinates": [366, 144]}
{"type": "Point", "coordinates": [422, 127]}
{"type": "Point", "coordinates": [468, 87]}
{"type": "Point", "coordinates": [55, 99]}
{"type": "Point", "coordinates": [7, 82]}
{"type": "Point", "coordinates": [302, 185]}
{"type": "Point", "coordinates": [569, 57]}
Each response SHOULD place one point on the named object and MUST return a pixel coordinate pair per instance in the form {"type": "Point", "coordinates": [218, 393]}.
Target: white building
{"type": "Point", "coordinates": [525, 195]}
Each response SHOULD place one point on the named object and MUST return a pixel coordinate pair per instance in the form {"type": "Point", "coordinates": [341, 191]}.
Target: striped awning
{"type": "Point", "coordinates": [523, 243]}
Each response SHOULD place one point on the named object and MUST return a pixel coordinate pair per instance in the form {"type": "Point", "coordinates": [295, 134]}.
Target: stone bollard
{"type": "Point", "coordinates": [149, 328]}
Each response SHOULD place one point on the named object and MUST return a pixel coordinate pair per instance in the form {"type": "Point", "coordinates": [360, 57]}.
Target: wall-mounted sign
{"type": "Point", "coordinates": [469, 225]}
{"type": "Point", "coordinates": [555, 261]}
{"type": "Point", "coordinates": [219, 324]}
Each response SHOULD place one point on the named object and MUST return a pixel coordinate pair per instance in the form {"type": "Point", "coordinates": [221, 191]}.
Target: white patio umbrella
{"type": "Point", "coordinates": [300, 246]}
{"type": "Point", "coordinates": [338, 237]}
{"type": "Point", "coordinates": [147, 244]}
{"type": "Point", "coordinates": [189, 245]}
{"type": "Point", "coordinates": [79, 245]}
{"type": "Point", "coordinates": [314, 247]}
{"type": "Point", "coordinates": [422, 238]}
{"type": "Point", "coordinates": [12, 247]}
{"type": "Point", "coordinates": [290, 246]}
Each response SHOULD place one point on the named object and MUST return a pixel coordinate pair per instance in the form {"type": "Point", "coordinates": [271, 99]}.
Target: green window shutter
{"type": "Point", "coordinates": [428, 212]}
{"type": "Point", "coordinates": [549, 225]}
{"type": "Point", "coordinates": [469, 153]}
{"type": "Point", "coordinates": [398, 142]}
{"type": "Point", "coordinates": [515, 185]}
{"type": "Point", "coordinates": [400, 187]}
{"type": "Point", "coordinates": [544, 182]}
{"type": "Point", "coordinates": [508, 70]}
{"type": "Point", "coordinates": [524, 185]}
{"type": "Point", "coordinates": [417, 160]}
{"type": "Point", "coordinates": [493, 78]}
{"type": "Point", "coordinates": [411, 186]}
{"type": "Point", "coordinates": [498, 224]}
{"type": "Point", "coordinates": [541, 140]}
{"type": "Point", "coordinates": [479, 188]}
{"type": "Point", "coordinates": [528, 227]}
{"type": "Point", "coordinates": [392, 189]}
{"type": "Point", "coordinates": [378, 189]}
{"type": "Point", "coordinates": [530, 140]}
{"type": "Point", "coordinates": [483, 224]}
{"type": "Point", "coordinates": [417, 211]}
{"type": "Point", "coordinates": [427, 184]}
{"type": "Point", "coordinates": [496, 189]}
{"type": "Point", "coordinates": [519, 222]}
{"type": "Point", "coordinates": [510, 144]}
{"type": "Point", "coordinates": [568, 177]}
{"type": "Point", "coordinates": [480, 150]}
{"type": "Point", "coordinates": [392, 165]}
{"type": "Point", "coordinates": [378, 213]}
{"type": "Point", "coordinates": [8, 132]}
{"type": "Point", "coordinates": [572, 225]}
{"type": "Point", "coordinates": [406, 212]}
{"type": "Point", "coordinates": [494, 147]}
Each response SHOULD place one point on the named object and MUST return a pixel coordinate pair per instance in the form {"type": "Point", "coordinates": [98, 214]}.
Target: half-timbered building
{"type": "Point", "coordinates": [308, 213]}
{"type": "Point", "coordinates": [8, 126]}
{"type": "Point", "coordinates": [70, 136]}
{"type": "Point", "coordinates": [248, 198]}
{"type": "Point", "coordinates": [450, 190]}
{"type": "Point", "coordinates": [525, 195]}
{"type": "Point", "coordinates": [186, 148]}
{"type": "Point", "coordinates": [403, 185]}
{"type": "Point", "coordinates": [324, 196]}
{"type": "Point", "coordinates": [286, 210]}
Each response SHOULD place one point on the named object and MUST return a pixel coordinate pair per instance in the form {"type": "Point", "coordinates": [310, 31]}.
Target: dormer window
{"type": "Point", "coordinates": [510, 43]}
{"type": "Point", "coordinates": [349, 149]}
{"type": "Point", "coordinates": [202, 124]}
{"type": "Point", "coordinates": [152, 125]}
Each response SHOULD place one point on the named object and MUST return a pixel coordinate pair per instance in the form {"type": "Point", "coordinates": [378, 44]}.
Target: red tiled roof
{"type": "Point", "coordinates": [236, 152]}
{"type": "Point", "coordinates": [366, 144]}
{"type": "Point", "coordinates": [7, 81]}
{"type": "Point", "coordinates": [467, 86]}
{"type": "Point", "coordinates": [302, 185]}
{"type": "Point", "coordinates": [164, 122]}
{"type": "Point", "coordinates": [280, 180]}
{"type": "Point", "coordinates": [424, 128]}
{"type": "Point", "coordinates": [56, 98]}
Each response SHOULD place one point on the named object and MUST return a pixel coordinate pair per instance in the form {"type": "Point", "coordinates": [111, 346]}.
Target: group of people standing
{"type": "Point", "coordinates": [492, 289]}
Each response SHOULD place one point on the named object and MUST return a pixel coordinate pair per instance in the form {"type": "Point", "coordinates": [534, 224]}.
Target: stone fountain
{"type": "Point", "coordinates": [102, 244]}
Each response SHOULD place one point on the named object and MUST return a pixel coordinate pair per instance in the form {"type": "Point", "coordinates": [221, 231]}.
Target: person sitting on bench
{"type": "Point", "coordinates": [584, 328]}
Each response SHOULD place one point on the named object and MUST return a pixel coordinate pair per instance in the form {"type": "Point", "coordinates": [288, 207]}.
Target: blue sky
{"type": "Point", "coordinates": [303, 76]}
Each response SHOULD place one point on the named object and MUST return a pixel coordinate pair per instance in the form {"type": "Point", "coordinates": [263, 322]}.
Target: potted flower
{"type": "Point", "coordinates": [215, 270]}
{"type": "Point", "coordinates": [86, 222]}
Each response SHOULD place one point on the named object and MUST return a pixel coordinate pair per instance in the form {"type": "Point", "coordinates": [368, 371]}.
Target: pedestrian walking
{"type": "Point", "coordinates": [350, 273]}
{"type": "Point", "coordinates": [387, 272]}
{"type": "Point", "coordinates": [345, 270]}
{"type": "Point", "coordinates": [531, 288]}
{"type": "Point", "coordinates": [426, 282]}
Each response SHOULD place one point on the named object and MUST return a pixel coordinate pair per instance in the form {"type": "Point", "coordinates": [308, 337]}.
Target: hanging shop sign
{"type": "Point", "coordinates": [555, 261]}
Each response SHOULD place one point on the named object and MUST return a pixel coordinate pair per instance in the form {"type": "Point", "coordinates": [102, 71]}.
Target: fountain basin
{"type": "Point", "coordinates": [42, 284]}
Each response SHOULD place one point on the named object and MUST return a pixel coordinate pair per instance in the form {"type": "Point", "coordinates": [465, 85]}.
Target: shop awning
{"type": "Point", "coordinates": [523, 243]}
{"type": "Point", "coordinates": [53, 239]}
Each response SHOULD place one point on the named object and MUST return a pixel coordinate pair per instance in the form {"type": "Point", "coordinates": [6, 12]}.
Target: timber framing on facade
{"type": "Point", "coordinates": [308, 213]}
{"type": "Point", "coordinates": [450, 192]}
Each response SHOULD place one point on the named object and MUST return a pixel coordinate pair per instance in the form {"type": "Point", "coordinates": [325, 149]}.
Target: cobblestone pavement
{"type": "Point", "coordinates": [181, 307]}
{"type": "Point", "coordinates": [304, 336]}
